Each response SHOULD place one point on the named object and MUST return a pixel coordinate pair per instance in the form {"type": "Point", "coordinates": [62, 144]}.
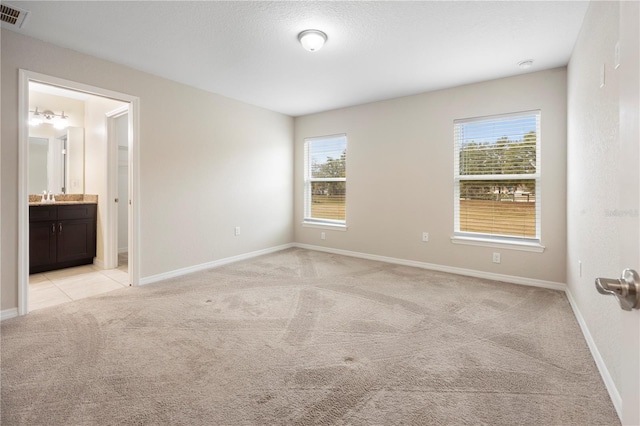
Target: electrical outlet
{"type": "Point", "coordinates": [323, 236]}
{"type": "Point", "coordinates": [496, 257]}
{"type": "Point", "coordinates": [425, 237]}
{"type": "Point", "coordinates": [236, 231]}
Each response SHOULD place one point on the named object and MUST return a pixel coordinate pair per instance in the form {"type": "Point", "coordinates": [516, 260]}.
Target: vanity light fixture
{"type": "Point", "coordinates": [59, 121]}
{"type": "Point", "coordinates": [312, 40]}
{"type": "Point", "coordinates": [36, 118]}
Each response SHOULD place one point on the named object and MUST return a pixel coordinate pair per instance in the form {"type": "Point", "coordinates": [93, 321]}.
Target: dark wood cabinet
{"type": "Point", "coordinates": [61, 236]}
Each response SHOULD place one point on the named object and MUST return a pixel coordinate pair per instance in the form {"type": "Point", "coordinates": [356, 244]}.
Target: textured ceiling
{"type": "Point", "coordinates": [376, 50]}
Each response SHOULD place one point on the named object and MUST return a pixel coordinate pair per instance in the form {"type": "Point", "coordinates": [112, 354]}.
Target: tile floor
{"type": "Point", "coordinates": [64, 285]}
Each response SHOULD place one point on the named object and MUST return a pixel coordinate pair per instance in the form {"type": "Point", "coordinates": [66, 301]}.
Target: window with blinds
{"type": "Point", "coordinates": [325, 180]}
{"type": "Point", "coordinates": [497, 173]}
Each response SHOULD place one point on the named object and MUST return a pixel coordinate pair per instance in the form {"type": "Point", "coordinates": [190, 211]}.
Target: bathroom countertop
{"type": "Point", "coordinates": [64, 199]}
{"type": "Point", "coordinates": [61, 203]}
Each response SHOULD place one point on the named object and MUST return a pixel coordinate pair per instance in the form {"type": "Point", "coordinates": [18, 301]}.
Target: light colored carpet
{"type": "Point", "coordinates": [302, 338]}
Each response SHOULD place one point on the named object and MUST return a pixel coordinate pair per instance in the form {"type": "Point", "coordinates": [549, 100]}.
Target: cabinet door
{"type": "Point", "coordinates": [42, 244]}
{"type": "Point", "coordinates": [76, 239]}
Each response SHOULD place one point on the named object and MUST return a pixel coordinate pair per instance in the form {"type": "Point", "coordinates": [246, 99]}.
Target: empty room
{"type": "Point", "coordinates": [320, 212]}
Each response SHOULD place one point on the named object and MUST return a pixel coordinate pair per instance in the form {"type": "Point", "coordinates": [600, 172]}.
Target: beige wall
{"type": "Point", "coordinates": [208, 163]}
{"type": "Point", "coordinates": [400, 174]}
{"type": "Point", "coordinates": [593, 181]}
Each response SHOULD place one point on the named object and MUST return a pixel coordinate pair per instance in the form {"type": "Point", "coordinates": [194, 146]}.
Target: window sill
{"type": "Point", "coordinates": [320, 225]}
{"type": "Point", "coordinates": [497, 243]}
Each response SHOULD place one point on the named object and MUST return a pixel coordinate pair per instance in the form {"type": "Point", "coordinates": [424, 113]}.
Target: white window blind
{"type": "Point", "coordinates": [325, 180]}
{"type": "Point", "coordinates": [497, 176]}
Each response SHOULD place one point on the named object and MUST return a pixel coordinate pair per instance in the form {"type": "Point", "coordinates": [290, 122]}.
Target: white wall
{"type": "Point", "coordinates": [208, 163]}
{"type": "Point", "coordinates": [593, 228]}
{"type": "Point", "coordinates": [75, 160]}
{"type": "Point", "coordinates": [400, 174]}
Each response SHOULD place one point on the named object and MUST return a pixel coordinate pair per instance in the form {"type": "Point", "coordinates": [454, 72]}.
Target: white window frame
{"type": "Point", "coordinates": [308, 179]}
{"type": "Point", "coordinates": [492, 240]}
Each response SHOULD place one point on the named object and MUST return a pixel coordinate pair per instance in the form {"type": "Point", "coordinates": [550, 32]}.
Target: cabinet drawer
{"type": "Point", "coordinates": [42, 213]}
{"type": "Point", "coordinates": [77, 211]}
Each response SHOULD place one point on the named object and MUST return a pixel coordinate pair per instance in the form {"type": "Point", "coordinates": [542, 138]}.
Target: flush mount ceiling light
{"type": "Point", "coordinates": [312, 40]}
{"type": "Point", "coordinates": [526, 64]}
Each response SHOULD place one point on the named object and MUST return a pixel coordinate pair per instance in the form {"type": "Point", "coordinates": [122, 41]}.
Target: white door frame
{"type": "Point", "coordinates": [23, 174]}
{"type": "Point", "coordinates": [111, 243]}
{"type": "Point", "coordinates": [629, 245]}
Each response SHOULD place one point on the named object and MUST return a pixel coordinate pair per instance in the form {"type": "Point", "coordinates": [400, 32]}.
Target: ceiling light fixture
{"type": "Point", "coordinates": [526, 64]}
{"type": "Point", "coordinates": [312, 40]}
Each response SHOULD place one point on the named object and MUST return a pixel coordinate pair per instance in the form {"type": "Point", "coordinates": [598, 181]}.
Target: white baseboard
{"type": "Point", "coordinates": [8, 313]}
{"type": "Point", "coordinates": [595, 353]}
{"type": "Point", "coordinates": [210, 265]}
{"type": "Point", "coordinates": [123, 250]}
{"type": "Point", "coordinates": [450, 269]}
{"type": "Point", "coordinates": [98, 263]}
{"type": "Point", "coordinates": [441, 268]}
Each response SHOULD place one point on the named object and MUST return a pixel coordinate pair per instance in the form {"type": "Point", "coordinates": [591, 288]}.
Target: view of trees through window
{"type": "Point", "coordinates": [326, 179]}
{"type": "Point", "coordinates": [328, 197]}
{"type": "Point", "coordinates": [497, 177]}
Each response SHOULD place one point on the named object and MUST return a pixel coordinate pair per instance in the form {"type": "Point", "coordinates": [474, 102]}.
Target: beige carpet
{"type": "Point", "coordinates": [302, 338]}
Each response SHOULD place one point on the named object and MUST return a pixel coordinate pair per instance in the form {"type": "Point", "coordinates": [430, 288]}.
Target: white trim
{"type": "Point", "coordinates": [496, 243]}
{"type": "Point", "coordinates": [8, 313]}
{"type": "Point", "coordinates": [99, 264]}
{"type": "Point", "coordinates": [442, 268]}
{"type": "Point", "coordinates": [24, 76]}
{"type": "Point", "coordinates": [616, 399]}
{"type": "Point", "coordinates": [122, 250]}
{"type": "Point", "coordinates": [320, 225]}
{"type": "Point", "coordinates": [493, 117]}
{"type": "Point", "coordinates": [213, 264]}
{"type": "Point", "coordinates": [135, 225]}
{"type": "Point", "coordinates": [320, 138]}
{"type": "Point", "coordinates": [23, 196]}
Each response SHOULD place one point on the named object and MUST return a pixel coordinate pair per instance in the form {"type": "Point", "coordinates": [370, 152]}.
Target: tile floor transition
{"type": "Point", "coordinates": [65, 285]}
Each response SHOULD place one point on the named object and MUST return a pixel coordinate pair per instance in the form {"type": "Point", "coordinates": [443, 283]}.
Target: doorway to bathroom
{"type": "Point", "coordinates": [106, 167]}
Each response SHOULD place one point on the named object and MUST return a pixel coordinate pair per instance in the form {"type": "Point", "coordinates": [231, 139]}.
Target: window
{"type": "Point", "coordinates": [325, 180]}
{"type": "Point", "coordinates": [497, 178]}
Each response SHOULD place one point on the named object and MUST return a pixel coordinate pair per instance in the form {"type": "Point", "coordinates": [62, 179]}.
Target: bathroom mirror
{"type": "Point", "coordinates": [56, 161]}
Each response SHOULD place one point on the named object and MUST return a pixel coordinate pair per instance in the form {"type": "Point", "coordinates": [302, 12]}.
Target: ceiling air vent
{"type": "Point", "coordinates": [12, 15]}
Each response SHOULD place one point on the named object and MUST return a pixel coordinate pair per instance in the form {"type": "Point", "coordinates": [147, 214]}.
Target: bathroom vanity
{"type": "Point", "coordinates": [61, 235]}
